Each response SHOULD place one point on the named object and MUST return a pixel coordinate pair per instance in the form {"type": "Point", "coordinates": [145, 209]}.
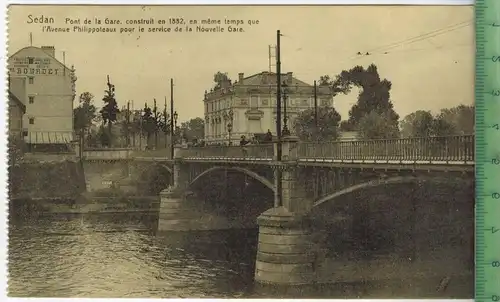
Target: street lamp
{"type": "Point", "coordinates": [174, 131]}
{"type": "Point", "coordinates": [285, 131]}
{"type": "Point", "coordinates": [230, 125]}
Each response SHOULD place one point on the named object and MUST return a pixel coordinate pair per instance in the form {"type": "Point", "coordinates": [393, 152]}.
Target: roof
{"type": "Point", "coordinates": [270, 78]}
{"type": "Point", "coordinates": [45, 53]}
{"type": "Point", "coordinates": [16, 100]}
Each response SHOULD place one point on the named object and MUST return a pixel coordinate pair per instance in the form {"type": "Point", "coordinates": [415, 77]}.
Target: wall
{"type": "Point", "coordinates": [15, 118]}
{"type": "Point", "coordinates": [46, 180]}
{"type": "Point", "coordinates": [101, 174]}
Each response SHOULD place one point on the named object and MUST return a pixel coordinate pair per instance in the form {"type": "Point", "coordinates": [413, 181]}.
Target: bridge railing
{"type": "Point", "coordinates": [263, 152]}
{"type": "Point", "coordinates": [158, 153]}
{"type": "Point", "coordinates": [448, 149]}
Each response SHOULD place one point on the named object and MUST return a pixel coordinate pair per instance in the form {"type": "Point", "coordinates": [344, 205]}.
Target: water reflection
{"type": "Point", "coordinates": [82, 257]}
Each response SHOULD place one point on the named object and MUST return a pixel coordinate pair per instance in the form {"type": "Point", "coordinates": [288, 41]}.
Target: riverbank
{"type": "Point", "coordinates": [85, 205]}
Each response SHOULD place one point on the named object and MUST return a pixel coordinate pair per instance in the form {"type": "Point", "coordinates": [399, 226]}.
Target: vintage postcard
{"type": "Point", "coordinates": [241, 151]}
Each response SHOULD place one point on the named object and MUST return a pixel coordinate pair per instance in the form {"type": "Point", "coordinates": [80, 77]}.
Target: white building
{"type": "Point", "coordinates": [47, 88]}
{"type": "Point", "coordinates": [252, 103]}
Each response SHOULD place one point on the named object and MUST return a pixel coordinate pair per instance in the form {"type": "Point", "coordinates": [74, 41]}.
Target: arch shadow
{"type": "Point", "coordinates": [247, 172]}
{"type": "Point", "coordinates": [387, 181]}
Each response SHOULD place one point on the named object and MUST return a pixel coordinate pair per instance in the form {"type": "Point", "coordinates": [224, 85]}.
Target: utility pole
{"type": "Point", "coordinates": [165, 121]}
{"type": "Point", "coordinates": [278, 92]}
{"type": "Point", "coordinates": [278, 202]}
{"type": "Point", "coordinates": [128, 124]}
{"type": "Point", "coordinates": [134, 119]}
{"type": "Point", "coordinates": [172, 120]}
{"type": "Point", "coordinates": [155, 111]}
{"type": "Point", "coordinates": [315, 105]}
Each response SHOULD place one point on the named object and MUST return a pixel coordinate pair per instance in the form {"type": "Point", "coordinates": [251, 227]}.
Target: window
{"type": "Point", "coordinates": [31, 80]}
{"type": "Point", "coordinates": [31, 99]}
{"type": "Point", "coordinates": [254, 102]}
{"type": "Point", "coordinates": [30, 60]}
{"type": "Point", "coordinates": [32, 120]}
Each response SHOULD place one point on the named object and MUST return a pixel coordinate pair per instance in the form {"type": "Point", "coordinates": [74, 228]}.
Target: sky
{"type": "Point", "coordinates": [427, 52]}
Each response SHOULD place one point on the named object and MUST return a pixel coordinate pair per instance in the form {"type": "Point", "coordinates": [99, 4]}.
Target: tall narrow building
{"type": "Point", "coordinates": [47, 88]}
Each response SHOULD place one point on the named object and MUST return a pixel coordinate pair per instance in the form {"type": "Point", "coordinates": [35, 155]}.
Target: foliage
{"type": "Point", "coordinates": [85, 113]}
{"type": "Point", "coordinates": [325, 80]}
{"type": "Point", "coordinates": [104, 136]}
{"type": "Point", "coordinates": [458, 120]}
{"type": "Point", "coordinates": [110, 109]}
{"type": "Point", "coordinates": [193, 129]}
{"type": "Point", "coordinates": [16, 149]}
{"type": "Point", "coordinates": [328, 124]}
{"type": "Point", "coordinates": [374, 94]}
{"type": "Point", "coordinates": [148, 121]}
{"type": "Point", "coordinates": [220, 78]}
{"type": "Point", "coordinates": [377, 126]}
{"type": "Point", "coordinates": [418, 124]}
{"type": "Point", "coordinates": [164, 121]}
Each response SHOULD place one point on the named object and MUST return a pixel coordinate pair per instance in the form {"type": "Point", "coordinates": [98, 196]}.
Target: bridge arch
{"type": "Point", "coordinates": [247, 172]}
{"type": "Point", "coordinates": [382, 182]}
{"type": "Point", "coordinates": [165, 167]}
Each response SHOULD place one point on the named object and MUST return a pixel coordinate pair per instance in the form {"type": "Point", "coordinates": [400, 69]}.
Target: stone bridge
{"type": "Point", "coordinates": [308, 178]}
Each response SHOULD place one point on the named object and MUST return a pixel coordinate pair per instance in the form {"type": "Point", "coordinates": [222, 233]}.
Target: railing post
{"type": "Point", "coordinates": [289, 148]}
{"type": "Point", "coordinates": [177, 179]}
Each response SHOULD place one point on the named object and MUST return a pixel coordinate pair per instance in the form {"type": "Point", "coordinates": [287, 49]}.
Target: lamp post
{"type": "Point", "coordinates": [175, 126]}
{"type": "Point", "coordinates": [230, 125]}
{"type": "Point", "coordinates": [285, 131]}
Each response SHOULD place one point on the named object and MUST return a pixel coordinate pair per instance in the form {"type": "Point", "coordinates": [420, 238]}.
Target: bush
{"type": "Point", "coordinates": [16, 150]}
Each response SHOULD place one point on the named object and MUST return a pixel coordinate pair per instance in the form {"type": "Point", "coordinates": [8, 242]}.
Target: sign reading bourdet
{"type": "Point", "coordinates": [38, 66]}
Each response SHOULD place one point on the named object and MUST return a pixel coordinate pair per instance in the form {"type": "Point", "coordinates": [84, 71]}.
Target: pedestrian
{"type": "Point", "coordinates": [243, 143]}
{"type": "Point", "coordinates": [269, 136]}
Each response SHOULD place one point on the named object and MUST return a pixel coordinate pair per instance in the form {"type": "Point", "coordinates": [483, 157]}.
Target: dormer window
{"type": "Point", "coordinates": [31, 60]}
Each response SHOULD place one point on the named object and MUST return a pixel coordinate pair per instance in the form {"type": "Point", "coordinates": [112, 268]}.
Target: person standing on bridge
{"type": "Point", "coordinates": [269, 137]}
{"type": "Point", "coordinates": [243, 143]}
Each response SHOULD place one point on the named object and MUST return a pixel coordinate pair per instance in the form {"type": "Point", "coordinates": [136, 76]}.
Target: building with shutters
{"type": "Point", "coordinates": [249, 105]}
{"type": "Point", "coordinates": [47, 88]}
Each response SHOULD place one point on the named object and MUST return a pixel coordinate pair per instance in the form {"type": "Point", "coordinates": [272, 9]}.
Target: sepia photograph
{"type": "Point", "coordinates": [241, 151]}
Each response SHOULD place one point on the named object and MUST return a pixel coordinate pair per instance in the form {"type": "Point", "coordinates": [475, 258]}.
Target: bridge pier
{"type": "Point", "coordinates": [176, 213]}
{"type": "Point", "coordinates": [286, 254]}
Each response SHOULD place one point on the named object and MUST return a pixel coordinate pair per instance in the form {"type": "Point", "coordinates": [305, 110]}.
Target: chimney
{"type": "Point", "coordinates": [241, 75]}
{"type": "Point", "coordinates": [50, 50]}
{"type": "Point", "coordinates": [289, 77]}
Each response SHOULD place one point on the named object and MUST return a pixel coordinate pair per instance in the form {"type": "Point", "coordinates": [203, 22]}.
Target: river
{"type": "Point", "coordinates": [119, 256]}
{"type": "Point", "coordinates": [99, 256]}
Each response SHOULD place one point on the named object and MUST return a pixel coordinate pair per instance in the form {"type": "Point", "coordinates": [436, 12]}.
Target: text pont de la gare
{"type": "Point", "coordinates": [233, 25]}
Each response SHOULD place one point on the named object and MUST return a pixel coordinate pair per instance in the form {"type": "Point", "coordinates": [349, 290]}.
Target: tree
{"type": "Point", "coordinates": [458, 120]}
{"type": "Point", "coordinates": [193, 129]}
{"type": "Point", "coordinates": [325, 81]}
{"type": "Point", "coordinates": [328, 124]}
{"type": "Point", "coordinates": [164, 122]}
{"type": "Point", "coordinates": [377, 126]}
{"type": "Point", "coordinates": [85, 113]}
{"type": "Point", "coordinates": [148, 122]}
{"type": "Point", "coordinates": [418, 124]}
{"type": "Point", "coordinates": [110, 109]}
{"type": "Point", "coordinates": [16, 149]}
{"type": "Point", "coordinates": [374, 95]}
{"type": "Point", "coordinates": [220, 78]}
